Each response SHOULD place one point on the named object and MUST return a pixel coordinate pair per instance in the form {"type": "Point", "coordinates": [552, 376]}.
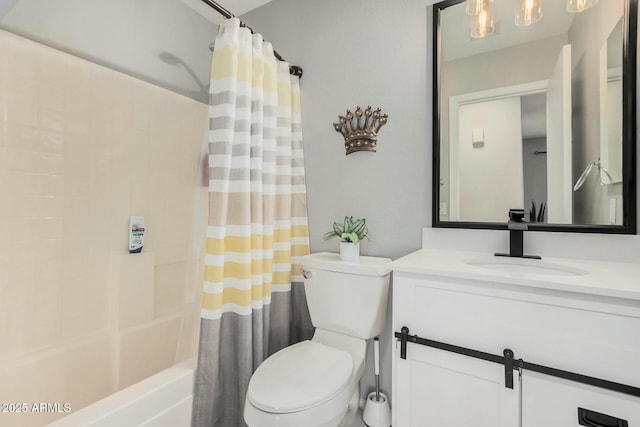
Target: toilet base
{"type": "Point", "coordinates": [352, 409]}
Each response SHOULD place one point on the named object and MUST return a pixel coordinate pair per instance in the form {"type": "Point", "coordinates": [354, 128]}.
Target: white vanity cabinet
{"type": "Point", "coordinates": [436, 388]}
{"type": "Point", "coordinates": [553, 402]}
{"type": "Point", "coordinates": [579, 324]}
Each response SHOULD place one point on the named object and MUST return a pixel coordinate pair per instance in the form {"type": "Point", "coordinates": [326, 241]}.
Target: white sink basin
{"type": "Point", "coordinates": [523, 265]}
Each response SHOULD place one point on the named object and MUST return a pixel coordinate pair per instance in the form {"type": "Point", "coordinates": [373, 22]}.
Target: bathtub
{"type": "Point", "coordinates": [162, 400]}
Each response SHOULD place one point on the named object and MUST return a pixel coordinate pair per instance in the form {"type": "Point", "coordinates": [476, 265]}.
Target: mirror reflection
{"type": "Point", "coordinates": [531, 112]}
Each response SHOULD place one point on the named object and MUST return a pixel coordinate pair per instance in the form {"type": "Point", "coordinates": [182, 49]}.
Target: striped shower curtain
{"type": "Point", "coordinates": [253, 302]}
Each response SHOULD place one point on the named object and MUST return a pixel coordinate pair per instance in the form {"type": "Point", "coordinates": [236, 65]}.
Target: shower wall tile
{"type": "Point", "coordinates": [148, 349]}
{"type": "Point", "coordinates": [170, 284]}
{"type": "Point", "coordinates": [4, 63]}
{"type": "Point", "coordinates": [78, 373]}
{"type": "Point", "coordinates": [189, 337]}
{"type": "Point", "coordinates": [51, 142]}
{"type": "Point", "coordinates": [74, 297]}
{"type": "Point", "coordinates": [134, 276]}
{"type": "Point", "coordinates": [75, 326]}
{"type": "Point", "coordinates": [83, 148]}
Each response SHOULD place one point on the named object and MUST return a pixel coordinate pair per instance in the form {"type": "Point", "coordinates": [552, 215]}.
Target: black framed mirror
{"type": "Point", "coordinates": [535, 111]}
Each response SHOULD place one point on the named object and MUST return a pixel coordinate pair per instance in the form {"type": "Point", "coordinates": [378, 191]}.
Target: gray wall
{"type": "Point", "coordinates": [534, 167]}
{"type": "Point", "coordinates": [361, 53]}
{"type": "Point", "coordinates": [163, 42]}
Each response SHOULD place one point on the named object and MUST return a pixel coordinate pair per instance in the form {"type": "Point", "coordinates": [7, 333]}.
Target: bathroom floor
{"type": "Point", "coordinates": [357, 422]}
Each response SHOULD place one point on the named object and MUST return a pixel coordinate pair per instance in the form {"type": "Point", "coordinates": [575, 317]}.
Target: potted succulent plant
{"type": "Point", "coordinates": [352, 232]}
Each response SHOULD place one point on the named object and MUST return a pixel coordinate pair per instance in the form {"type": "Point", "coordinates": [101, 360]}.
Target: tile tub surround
{"type": "Point", "coordinates": [82, 148]}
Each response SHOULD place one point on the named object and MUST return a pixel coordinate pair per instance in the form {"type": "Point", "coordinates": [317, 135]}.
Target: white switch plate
{"type": "Point", "coordinates": [477, 137]}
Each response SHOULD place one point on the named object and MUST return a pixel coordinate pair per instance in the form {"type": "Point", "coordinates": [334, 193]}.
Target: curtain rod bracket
{"type": "Point", "coordinates": [294, 70]}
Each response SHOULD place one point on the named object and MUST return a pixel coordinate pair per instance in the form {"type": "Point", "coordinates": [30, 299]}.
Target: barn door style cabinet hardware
{"type": "Point", "coordinates": [511, 364]}
{"type": "Point", "coordinates": [478, 347]}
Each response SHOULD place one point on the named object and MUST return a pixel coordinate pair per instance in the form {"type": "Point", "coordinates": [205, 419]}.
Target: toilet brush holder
{"type": "Point", "coordinates": [377, 413]}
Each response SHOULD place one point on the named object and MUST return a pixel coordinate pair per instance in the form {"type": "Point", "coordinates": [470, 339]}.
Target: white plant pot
{"type": "Point", "coordinates": [349, 251]}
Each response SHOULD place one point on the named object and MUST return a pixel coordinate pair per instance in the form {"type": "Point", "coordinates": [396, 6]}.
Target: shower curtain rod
{"type": "Point", "coordinates": [293, 69]}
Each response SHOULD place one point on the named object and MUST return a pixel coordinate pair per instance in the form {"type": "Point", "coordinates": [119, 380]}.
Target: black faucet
{"type": "Point", "coordinates": [517, 225]}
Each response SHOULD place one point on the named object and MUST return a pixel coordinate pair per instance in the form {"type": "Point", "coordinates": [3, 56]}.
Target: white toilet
{"type": "Point", "coordinates": [316, 383]}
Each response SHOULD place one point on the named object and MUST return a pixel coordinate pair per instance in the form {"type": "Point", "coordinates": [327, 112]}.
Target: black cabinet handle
{"type": "Point", "coordinates": [508, 368]}
{"type": "Point", "coordinates": [403, 342]}
{"type": "Point", "coordinates": [595, 419]}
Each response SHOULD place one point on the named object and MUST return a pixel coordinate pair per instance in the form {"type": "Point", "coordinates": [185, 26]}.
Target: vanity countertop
{"type": "Point", "coordinates": [610, 279]}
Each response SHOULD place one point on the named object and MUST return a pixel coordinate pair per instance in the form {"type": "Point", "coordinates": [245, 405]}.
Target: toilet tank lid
{"type": "Point", "coordinates": [366, 265]}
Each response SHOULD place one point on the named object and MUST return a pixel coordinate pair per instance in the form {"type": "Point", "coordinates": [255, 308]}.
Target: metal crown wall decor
{"type": "Point", "coordinates": [359, 135]}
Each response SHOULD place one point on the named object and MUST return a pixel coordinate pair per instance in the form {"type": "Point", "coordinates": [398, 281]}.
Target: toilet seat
{"type": "Point", "coordinates": [300, 377]}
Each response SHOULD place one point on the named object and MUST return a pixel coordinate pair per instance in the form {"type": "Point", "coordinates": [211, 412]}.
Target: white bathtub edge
{"type": "Point", "coordinates": [126, 400]}
{"type": "Point", "coordinates": [177, 415]}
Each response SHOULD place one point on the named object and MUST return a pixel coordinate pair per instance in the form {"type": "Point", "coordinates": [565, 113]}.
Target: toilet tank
{"type": "Point", "coordinates": [347, 297]}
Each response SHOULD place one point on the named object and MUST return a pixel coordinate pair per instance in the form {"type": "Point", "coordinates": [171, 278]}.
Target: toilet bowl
{"type": "Point", "coordinates": [316, 383]}
{"type": "Point", "coordinates": [307, 384]}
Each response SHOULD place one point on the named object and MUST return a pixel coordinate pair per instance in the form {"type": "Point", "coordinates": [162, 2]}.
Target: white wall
{"type": "Point", "coordinates": [490, 175]}
{"type": "Point", "coordinates": [163, 42]}
{"type": "Point", "coordinates": [611, 149]}
{"type": "Point", "coordinates": [505, 67]}
{"type": "Point", "coordinates": [587, 35]}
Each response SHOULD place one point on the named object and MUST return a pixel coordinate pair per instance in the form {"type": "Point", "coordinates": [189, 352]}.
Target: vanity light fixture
{"type": "Point", "coordinates": [528, 12]}
{"type": "Point", "coordinates": [577, 6]}
{"type": "Point", "coordinates": [474, 7]}
{"type": "Point", "coordinates": [481, 13]}
{"type": "Point", "coordinates": [482, 24]}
